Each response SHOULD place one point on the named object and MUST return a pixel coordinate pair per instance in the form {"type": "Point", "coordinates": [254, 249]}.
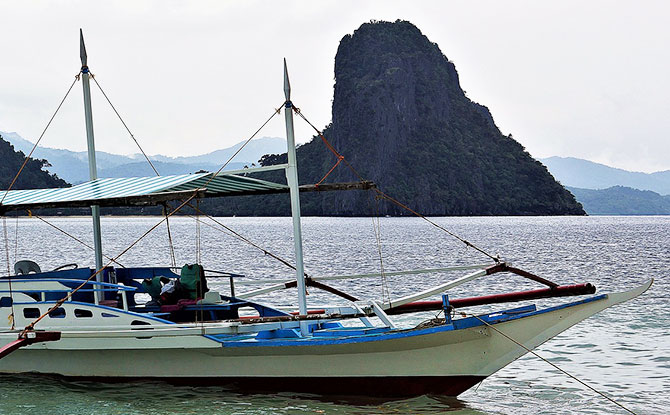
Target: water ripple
{"type": "Point", "coordinates": [623, 351]}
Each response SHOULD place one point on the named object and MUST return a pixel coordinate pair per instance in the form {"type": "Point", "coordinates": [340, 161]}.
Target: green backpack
{"type": "Point", "coordinates": [193, 280]}
{"type": "Point", "coordinates": [153, 287]}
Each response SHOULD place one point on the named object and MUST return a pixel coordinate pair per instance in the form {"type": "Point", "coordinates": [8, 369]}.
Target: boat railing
{"type": "Point", "coordinates": [53, 285]}
{"type": "Point", "coordinates": [212, 274]}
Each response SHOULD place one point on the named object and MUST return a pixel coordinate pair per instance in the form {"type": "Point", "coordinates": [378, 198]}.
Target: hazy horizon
{"type": "Point", "coordinates": [138, 155]}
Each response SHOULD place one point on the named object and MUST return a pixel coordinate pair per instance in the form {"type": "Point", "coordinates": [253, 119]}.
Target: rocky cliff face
{"type": "Point", "coordinates": [401, 118]}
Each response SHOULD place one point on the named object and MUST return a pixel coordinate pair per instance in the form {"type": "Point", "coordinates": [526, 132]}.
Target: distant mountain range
{"type": "Point", "coordinates": [72, 166]}
{"type": "Point", "coordinates": [574, 172]}
{"type": "Point", "coordinates": [619, 200]}
{"type": "Point", "coordinates": [604, 190]}
{"type": "Point", "coordinates": [601, 189]}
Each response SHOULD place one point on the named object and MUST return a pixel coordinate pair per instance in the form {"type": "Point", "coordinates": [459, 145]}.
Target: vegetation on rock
{"type": "Point", "coordinates": [32, 176]}
{"type": "Point", "coordinates": [401, 118]}
{"type": "Point", "coordinates": [620, 200]}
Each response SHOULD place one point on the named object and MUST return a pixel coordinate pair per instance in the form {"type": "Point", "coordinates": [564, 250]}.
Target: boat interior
{"type": "Point", "coordinates": [130, 289]}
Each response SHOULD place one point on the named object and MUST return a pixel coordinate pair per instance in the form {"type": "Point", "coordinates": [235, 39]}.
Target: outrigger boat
{"type": "Point", "coordinates": [98, 323]}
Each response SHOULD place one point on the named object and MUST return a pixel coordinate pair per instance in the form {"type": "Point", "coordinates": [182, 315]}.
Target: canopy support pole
{"type": "Point", "coordinates": [292, 179]}
{"type": "Point", "coordinates": [92, 168]}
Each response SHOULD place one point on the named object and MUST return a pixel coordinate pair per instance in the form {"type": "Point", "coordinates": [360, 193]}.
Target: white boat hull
{"type": "Point", "coordinates": [433, 360]}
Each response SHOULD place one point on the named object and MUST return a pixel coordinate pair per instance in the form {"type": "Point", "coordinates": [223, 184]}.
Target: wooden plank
{"type": "Point", "coordinates": [11, 346]}
{"type": "Point", "coordinates": [28, 338]}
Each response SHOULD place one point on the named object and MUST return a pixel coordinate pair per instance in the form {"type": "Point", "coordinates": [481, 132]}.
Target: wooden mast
{"type": "Point", "coordinates": [292, 179]}
{"type": "Point", "coordinates": [92, 168]}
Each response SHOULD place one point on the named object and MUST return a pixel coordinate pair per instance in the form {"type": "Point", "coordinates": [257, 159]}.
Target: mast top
{"type": "Point", "coordinates": [82, 49]}
{"type": "Point", "coordinates": [287, 84]}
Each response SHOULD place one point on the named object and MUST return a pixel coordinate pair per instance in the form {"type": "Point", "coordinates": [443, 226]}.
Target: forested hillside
{"type": "Point", "coordinates": [620, 200]}
{"type": "Point", "coordinates": [32, 176]}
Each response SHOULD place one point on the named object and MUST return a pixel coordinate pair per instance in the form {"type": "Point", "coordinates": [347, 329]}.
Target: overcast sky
{"type": "Point", "coordinates": [566, 78]}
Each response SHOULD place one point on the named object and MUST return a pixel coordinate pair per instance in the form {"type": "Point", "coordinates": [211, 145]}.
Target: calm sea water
{"type": "Point", "coordinates": [623, 352]}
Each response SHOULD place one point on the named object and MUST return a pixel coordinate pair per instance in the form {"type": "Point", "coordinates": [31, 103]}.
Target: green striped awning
{"type": "Point", "coordinates": [138, 191]}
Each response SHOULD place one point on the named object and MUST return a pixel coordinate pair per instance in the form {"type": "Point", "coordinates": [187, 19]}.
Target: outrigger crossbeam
{"type": "Point", "coordinates": [359, 310]}
{"type": "Point", "coordinates": [28, 338]}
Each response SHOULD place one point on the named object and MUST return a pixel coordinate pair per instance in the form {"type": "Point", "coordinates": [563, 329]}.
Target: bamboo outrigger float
{"type": "Point", "coordinates": [94, 324]}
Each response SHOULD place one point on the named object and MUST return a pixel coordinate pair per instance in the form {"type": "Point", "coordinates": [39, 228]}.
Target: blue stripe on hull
{"type": "Point", "coordinates": [461, 324]}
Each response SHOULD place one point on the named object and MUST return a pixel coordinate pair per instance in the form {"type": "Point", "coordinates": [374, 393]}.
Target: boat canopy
{"type": "Point", "coordinates": [138, 191]}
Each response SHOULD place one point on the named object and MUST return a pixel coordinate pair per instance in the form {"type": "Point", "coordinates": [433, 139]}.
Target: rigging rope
{"type": "Point", "coordinates": [173, 258]}
{"type": "Point", "coordinates": [275, 112]}
{"type": "Point", "coordinates": [198, 260]}
{"type": "Point", "coordinates": [547, 361]}
{"type": "Point", "coordinates": [376, 226]}
{"type": "Point", "coordinates": [197, 231]}
{"type": "Point", "coordinates": [326, 142]}
{"type": "Point", "coordinates": [73, 237]}
{"type": "Point", "coordinates": [115, 260]}
{"type": "Point", "coordinates": [4, 229]}
{"type": "Point", "coordinates": [389, 198]}
{"type": "Point", "coordinates": [60, 302]}
{"type": "Point", "coordinates": [124, 124]}
{"type": "Point", "coordinates": [244, 239]}
{"type": "Point", "coordinates": [16, 239]}
{"type": "Point", "coordinates": [339, 160]}
{"type": "Point", "coordinates": [9, 273]}
{"type": "Point", "coordinates": [466, 242]}
{"type": "Point", "coordinates": [76, 78]}
{"type": "Point", "coordinates": [232, 232]}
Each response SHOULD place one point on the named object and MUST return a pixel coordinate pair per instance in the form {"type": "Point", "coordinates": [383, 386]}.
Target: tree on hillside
{"type": "Point", "coordinates": [32, 176]}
